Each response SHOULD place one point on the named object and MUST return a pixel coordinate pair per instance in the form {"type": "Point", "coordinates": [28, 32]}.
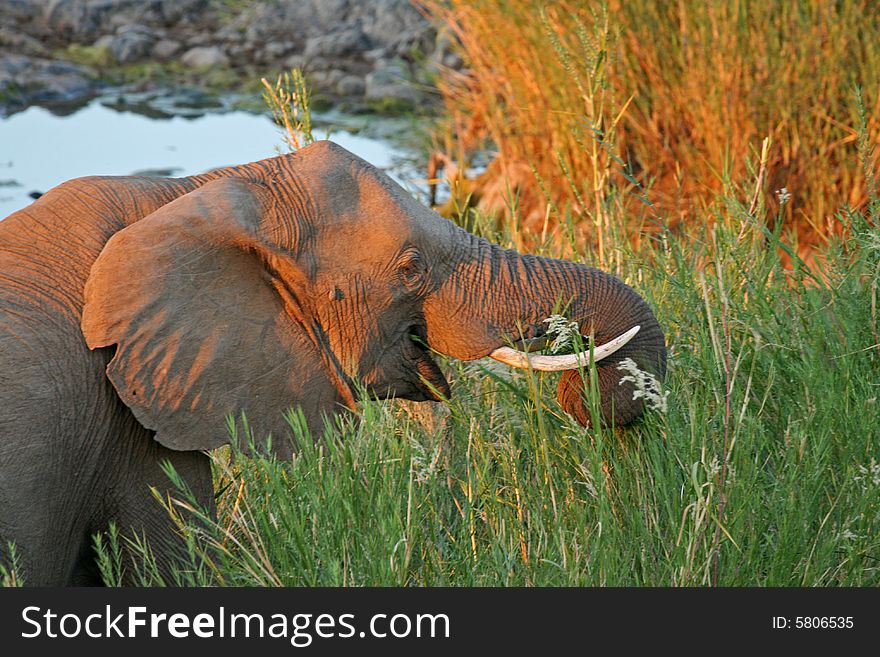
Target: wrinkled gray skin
{"type": "Point", "coordinates": [137, 313]}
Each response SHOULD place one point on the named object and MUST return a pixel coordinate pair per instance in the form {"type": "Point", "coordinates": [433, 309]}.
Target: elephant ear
{"type": "Point", "coordinates": [191, 298]}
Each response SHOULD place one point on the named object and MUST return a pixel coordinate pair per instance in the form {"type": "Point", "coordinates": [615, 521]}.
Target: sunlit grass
{"type": "Point", "coordinates": [681, 92]}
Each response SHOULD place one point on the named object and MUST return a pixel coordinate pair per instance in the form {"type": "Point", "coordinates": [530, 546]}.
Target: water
{"type": "Point", "coordinates": [39, 149]}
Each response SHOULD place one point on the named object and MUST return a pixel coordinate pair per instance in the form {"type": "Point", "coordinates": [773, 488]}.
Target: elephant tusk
{"type": "Point", "coordinates": [522, 360]}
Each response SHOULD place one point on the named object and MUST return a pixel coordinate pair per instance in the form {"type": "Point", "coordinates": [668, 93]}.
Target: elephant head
{"type": "Point", "coordinates": [281, 282]}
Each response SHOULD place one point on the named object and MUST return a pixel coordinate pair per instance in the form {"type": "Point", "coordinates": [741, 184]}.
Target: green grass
{"type": "Point", "coordinates": [762, 472]}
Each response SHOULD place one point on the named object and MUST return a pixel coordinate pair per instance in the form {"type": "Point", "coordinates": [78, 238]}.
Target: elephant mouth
{"type": "Point", "coordinates": [408, 370]}
{"type": "Point", "coordinates": [431, 384]}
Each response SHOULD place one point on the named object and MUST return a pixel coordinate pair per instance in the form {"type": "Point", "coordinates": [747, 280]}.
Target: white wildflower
{"type": "Point", "coordinates": [422, 464]}
{"type": "Point", "coordinates": [586, 479]}
{"type": "Point", "coordinates": [714, 467]}
{"type": "Point", "coordinates": [783, 195]}
{"type": "Point", "coordinates": [646, 385]}
{"type": "Point", "coordinates": [564, 331]}
{"type": "Point", "coordinates": [845, 533]}
{"type": "Point", "coordinates": [848, 535]}
{"type": "Point", "coordinates": [869, 474]}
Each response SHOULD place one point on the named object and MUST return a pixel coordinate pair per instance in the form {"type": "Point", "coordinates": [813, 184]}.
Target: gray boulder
{"type": "Point", "coordinates": [130, 44]}
{"type": "Point", "coordinates": [327, 79]}
{"type": "Point", "coordinates": [20, 43]}
{"type": "Point", "coordinates": [391, 81]}
{"type": "Point", "coordinates": [20, 10]}
{"type": "Point", "coordinates": [351, 85]}
{"type": "Point", "coordinates": [205, 57]}
{"type": "Point", "coordinates": [85, 20]}
{"type": "Point", "coordinates": [296, 61]}
{"type": "Point", "coordinates": [332, 28]}
{"type": "Point", "coordinates": [274, 51]}
{"type": "Point", "coordinates": [338, 44]}
{"type": "Point", "coordinates": [165, 49]}
{"type": "Point", "coordinates": [26, 80]}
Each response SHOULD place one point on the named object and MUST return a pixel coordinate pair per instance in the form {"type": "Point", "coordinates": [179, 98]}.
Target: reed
{"type": "Point", "coordinates": [584, 99]}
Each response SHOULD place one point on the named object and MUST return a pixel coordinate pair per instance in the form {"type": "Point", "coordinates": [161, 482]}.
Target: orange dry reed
{"type": "Point", "coordinates": [579, 100]}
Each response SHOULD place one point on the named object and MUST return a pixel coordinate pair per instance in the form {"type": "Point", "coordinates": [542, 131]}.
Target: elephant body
{"type": "Point", "coordinates": [64, 472]}
{"type": "Point", "coordinates": [137, 314]}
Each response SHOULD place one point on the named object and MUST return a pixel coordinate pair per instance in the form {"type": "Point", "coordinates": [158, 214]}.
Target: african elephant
{"type": "Point", "coordinates": [137, 314]}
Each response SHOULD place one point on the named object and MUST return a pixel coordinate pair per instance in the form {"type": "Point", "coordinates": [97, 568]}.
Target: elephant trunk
{"type": "Point", "coordinates": [492, 296]}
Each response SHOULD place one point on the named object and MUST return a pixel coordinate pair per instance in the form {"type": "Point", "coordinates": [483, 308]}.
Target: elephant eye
{"type": "Point", "coordinates": [411, 269]}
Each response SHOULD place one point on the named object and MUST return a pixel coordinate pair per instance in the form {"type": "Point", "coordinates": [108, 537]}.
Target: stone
{"type": "Point", "coordinates": [205, 57]}
{"type": "Point", "coordinates": [129, 45]}
{"type": "Point", "coordinates": [296, 61]}
{"type": "Point", "coordinates": [376, 54]}
{"type": "Point", "coordinates": [351, 85]}
{"type": "Point", "coordinates": [239, 52]}
{"type": "Point", "coordinates": [176, 11]}
{"type": "Point", "coordinates": [326, 79]}
{"type": "Point", "coordinates": [318, 64]}
{"type": "Point", "coordinates": [276, 50]}
{"type": "Point", "coordinates": [27, 80]}
{"type": "Point", "coordinates": [165, 49]}
{"type": "Point", "coordinates": [200, 39]}
{"type": "Point", "coordinates": [20, 43]}
{"type": "Point", "coordinates": [452, 60]}
{"type": "Point", "coordinates": [84, 21]}
{"type": "Point", "coordinates": [227, 34]}
{"type": "Point", "coordinates": [344, 43]}
{"type": "Point", "coordinates": [391, 82]}
{"type": "Point", "coordinates": [19, 10]}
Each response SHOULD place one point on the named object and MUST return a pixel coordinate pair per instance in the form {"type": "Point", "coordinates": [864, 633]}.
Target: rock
{"type": "Point", "coordinates": [165, 49]}
{"type": "Point", "coordinates": [296, 61]}
{"type": "Point", "coordinates": [83, 20]}
{"type": "Point", "coordinates": [388, 22]}
{"type": "Point", "coordinates": [412, 42]}
{"type": "Point", "coordinates": [336, 41]}
{"type": "Point", "coordinates": [352, 24]}
{"type": "Point", "coordinates": [19, 10]}
{"type": "Point", "coordinates": [20, 43]}
{"type": "Point", "coordinates": [200, 39]}
{"type": "Point", "coordinates": [27, 80]}
{"type": "Point", "coordinates": [130, 44]}
{"type": "Point", "coordinates": [376, 54]}
{"type": "Point", "coordinates": [338, 44]}
{"type": "Point", "coordinates": [391, 82]}
{"type": "Point", "coordinates": [453, 60]}
{"type": "Point", "coordinates": [176, 11]}
{"type": "Point", "coordinates": [351, 85]}
{"type": "Point", "coordinates": [239, 53]}
{"type": "Point", "coordinates": [318, 64]}
{"type": "Point", "coordinates": [327, 79]}
{"type": "Point", "coordinates": [205, 57]}
{"type": "Point", "coordinates": [276, 50]}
